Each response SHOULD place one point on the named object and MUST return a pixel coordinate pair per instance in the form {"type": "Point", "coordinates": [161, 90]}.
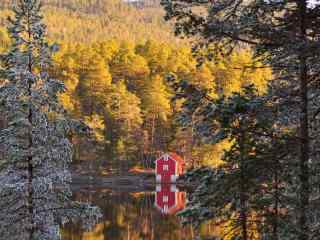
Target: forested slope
{"type": "Point", "coordinates": [114, 59]}
{"type": "Point", "coordinates": [97, 20]}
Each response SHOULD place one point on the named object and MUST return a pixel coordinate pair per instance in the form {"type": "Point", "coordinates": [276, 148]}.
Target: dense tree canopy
{"type": "Point", "coordinates": [109, 81]}
{"type": "Point", "coordinates": [91, 21]}
{"type": "Point", "coordinates": [125, 86]}
{"type": "Point", "coordinates": [284, 35]}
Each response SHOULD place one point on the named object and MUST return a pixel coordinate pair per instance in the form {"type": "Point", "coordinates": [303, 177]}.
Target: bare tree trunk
{"type": "Point", "coordinates": [128, 236]}
{"type": "Point", "coordinates": [276, 206]}
{"type": "Point", "coordinates": [243, 213]}
{"type": "Point", "coordinates": [153, 130]}
{"type": "Point", "coordinates": [192, 232]}
{"type": "Point", "coordinates": [30, 159]}
{"type": "Point", "coordinates": [304, 131]}
{"type": "Point", "coordinates": [243, 200]}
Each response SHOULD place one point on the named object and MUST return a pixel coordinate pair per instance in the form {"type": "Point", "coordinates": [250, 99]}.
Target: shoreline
{"type": "Point", "coordinates": [132, 182]}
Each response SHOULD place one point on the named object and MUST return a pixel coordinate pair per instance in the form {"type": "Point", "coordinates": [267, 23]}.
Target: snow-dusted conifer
{"type": "Point", "coordinates": [245, 194]}
{"type": "Point", "coordinates": [285, 35]}
{"type": "Point", "coordinates": [34, 179]}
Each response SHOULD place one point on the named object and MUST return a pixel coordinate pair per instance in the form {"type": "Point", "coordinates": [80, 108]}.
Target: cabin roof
{"type": "Point", "coordinates": [174, 156]}
{"type": "Point", "coordinates": [177, 158]}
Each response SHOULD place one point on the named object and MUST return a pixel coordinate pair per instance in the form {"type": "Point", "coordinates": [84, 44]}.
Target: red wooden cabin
{"type": "Point", "coordinates": [169, 167]}
{"type": "Point", "coordinates": [169, 200]}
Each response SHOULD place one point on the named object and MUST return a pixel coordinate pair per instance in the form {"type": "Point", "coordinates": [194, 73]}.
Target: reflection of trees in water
{"type": "Point", "coordinates": [130, 217]}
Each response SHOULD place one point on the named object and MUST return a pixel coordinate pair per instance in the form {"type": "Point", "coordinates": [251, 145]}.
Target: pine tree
{"type": "Point", "coordinates": [157, 108]}
{"type": "Point", "coordinates": [124, 120]}
{"type": "Point", "coordinates": [65, 70]}
{"type": "Point", "coordinates": [4, 40]}
{"type": "Point", "coordinates": [284, 34]}
{"type": "Point", "coordinates": [95, 82]}
{"type": "Point", "coordinates": [129, 66]}
{"type": "Point", "coordinates": [34, 190]}
{"type": "Point", "coordinates": [156, 54]}
{"type": "Point", "coordinates": [243, 194]}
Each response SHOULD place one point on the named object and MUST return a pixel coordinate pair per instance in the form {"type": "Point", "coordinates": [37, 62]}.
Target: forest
{"type": "Point", "coordinates": [231, 86]}
{"type": "Point", "coordinates": [84, 21]}
{"type": "Point", "coordinates": [119, 88]}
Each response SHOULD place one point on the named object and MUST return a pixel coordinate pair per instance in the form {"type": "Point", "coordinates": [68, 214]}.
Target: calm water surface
{"type": "Point", "coordinates": [129, 215]}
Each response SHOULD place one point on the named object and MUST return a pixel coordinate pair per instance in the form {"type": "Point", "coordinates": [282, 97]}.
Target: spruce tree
{"type": "Point", "coordinates": [34, 177]}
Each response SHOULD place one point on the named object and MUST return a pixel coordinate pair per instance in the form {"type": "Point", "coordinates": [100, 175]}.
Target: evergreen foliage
{"type": "Point", "coordinates": [283, 35]}
{"type": "Point", "coordinates": [141, 69]}
{"type": "Point", "coordinates": [34, 191]}
{"type": "Point", "coordinates": [90, 21]}
{"type": "Point", "coordinates": [245, 194]}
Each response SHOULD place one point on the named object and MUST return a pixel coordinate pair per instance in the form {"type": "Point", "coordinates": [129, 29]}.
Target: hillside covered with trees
{"type": "Point", "coordinates": [120, 89]}
{"type": "Point", "coordinates": [118, 85]}
{"type": "Point", "coordinates": [238, 99]}
{"type": "Point", "coordinates": [98, 20]}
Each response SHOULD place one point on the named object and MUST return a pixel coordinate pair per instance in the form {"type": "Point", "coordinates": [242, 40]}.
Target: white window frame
{"type": "Point", "coordinates": [165, 167]}
{"type": "Point", "coordinates": [158, 178]}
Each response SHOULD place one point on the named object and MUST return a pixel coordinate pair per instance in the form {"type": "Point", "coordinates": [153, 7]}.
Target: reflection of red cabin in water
{"type": "Point", "coordinates": [169, 200]}
{"type": "Point", "coordinates": [169, 167]}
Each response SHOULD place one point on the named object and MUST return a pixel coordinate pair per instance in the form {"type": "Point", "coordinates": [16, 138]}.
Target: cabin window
{"type": "Point", "coordinates": [165, 199]}
{"type": "Point", "coordinates": [165, 167]}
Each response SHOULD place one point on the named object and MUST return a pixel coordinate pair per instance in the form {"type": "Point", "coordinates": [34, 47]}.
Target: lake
{"type": "Point", "coordinates": [135, 215]}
